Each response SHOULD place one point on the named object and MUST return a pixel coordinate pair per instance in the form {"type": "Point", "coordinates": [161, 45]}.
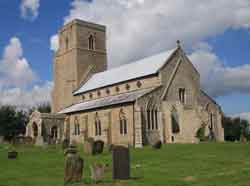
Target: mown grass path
{"type": "Point", "coordinates": [211, 164]}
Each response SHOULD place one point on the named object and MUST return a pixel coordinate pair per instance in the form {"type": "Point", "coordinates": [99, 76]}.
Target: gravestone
{"type": "Point", "coordinates": [73, 167]}
{"type": "Point", "coordinates": [98, 147]}
{"type": "Point", "coordinates": [121, 163]}
{"type": "Point", "coordinates": [12, 154]}
{"type": "Point", "coordinates": [157, 144]}
{"type": "Point", "coordinates": [65, 144]}
{"type": "Point", "coordinates": [97, 172]}
{"type": "Point", "coordinates": [88, 146]}
{"type": "Point", "coordinates": [1, 139]}
{"type": "Point", "coordinates": [28, 140]}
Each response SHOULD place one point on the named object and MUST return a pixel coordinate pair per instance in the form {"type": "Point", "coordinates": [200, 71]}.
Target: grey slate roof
{"type": "Point", "coordinates": [144, 67]}
{"type": "Point", "coordinates": [106, 101]}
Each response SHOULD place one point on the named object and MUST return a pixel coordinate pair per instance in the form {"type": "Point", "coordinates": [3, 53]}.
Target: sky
{"type": "Point", "coordinates": [215, 35]}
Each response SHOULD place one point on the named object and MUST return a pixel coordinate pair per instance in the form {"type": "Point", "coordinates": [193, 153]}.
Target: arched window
{"type": "Point", "coordinates": [91, 42]}
{"type": "Point", "coordinates": [98, 127]}
{"type": "Point", "coordinates": [152, 115]}
{"type": "Point", "coordinates": [175, 122]}
{"type": "Point", "coordinates": [77, 126]}
{"type": "Point", "coordinates": [66, 43]}
{"type": "Point", "coordinates": [123, 123]}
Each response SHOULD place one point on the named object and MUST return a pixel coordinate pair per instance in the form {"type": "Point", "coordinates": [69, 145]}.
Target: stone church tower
{"type": "Point", "coordinates": [82, 52]}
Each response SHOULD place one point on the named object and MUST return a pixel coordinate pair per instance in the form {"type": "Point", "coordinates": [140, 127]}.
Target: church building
{"type": "Point", "coordinates": [155, 98]}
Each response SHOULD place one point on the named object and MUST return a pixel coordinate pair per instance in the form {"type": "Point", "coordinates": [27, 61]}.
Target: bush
{"type": "Point", "coordinates": [200, 134]}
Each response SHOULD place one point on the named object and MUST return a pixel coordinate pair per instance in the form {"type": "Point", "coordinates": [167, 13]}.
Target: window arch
{"type": "Point", "coordinates": [98, 127]}
{"type": "Point", "coordinates": [91, 42]}
{"type": "Point", "coordinates": [77, 126]}
{"type": "Point", "coordinates": [67, 43]}
{"type": "Point", "coordinates": [152, 115]}
{"type": "Point", "coordinates": [123, 123]}
{"type": "Point", "coordinates": [175, 121]}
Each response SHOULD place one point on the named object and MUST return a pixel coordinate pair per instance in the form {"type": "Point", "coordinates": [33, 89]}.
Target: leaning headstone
{"type": "Point", "coordinates": [121, 163]}
{"type": "Point", "coordinates": [12, 154]}
{"type": "Point", "coordinates": [73, 167]}
{"type": "Point", "coordinates": [98, 147]}
{"type": "Point", "coordinates": [97, 172]}
{"type": "Point", "coordinates": [65, 144]}
{"type": "Point", "coordinates": [88, 146]}
{"type": "Point", "coordinates": [157, 144]}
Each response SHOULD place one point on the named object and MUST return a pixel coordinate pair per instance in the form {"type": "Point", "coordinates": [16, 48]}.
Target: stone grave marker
{"type": "Point", "coordinates": [88, 146]}
{"type": "Point", "coordinates": [121, 163]}
{"type": "Point", "coordinates": [98, 147]}
{"type": "Point", "coordinates": [12, 154]}
{"type": "Point", "coordinates": [73, 167]}
{"type": "Point", "coordinates": [65, 144]}
{"type": "Point", "coordinates": [157, 144]}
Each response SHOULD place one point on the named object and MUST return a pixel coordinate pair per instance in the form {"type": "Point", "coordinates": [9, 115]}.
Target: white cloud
{"type": "Point", "coordinates": [23, 98]}
{"type": "Point", "coordinates": [140, 28]}
{"type": "Point", "coordinates": [216, 78]}
{"type": "Point", "coordinates": [14, 68]}
{"type": "Point", "coordinates": [17, 79]}
{"type": "Point", "coordinates": [29, 9]}
{"type": "Point", "coordinates": [244, 115]}
{"type": "Point", "coordinates": [54, 42]}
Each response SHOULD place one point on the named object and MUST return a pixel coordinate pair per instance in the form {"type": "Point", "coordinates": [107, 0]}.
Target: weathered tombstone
{"type": "Point", "coordinates": [157, 144]}
{"type": "Point", "coordinates": [73, 167]}
{"type": "Point", "coordinates": [97, 171]}
{"type": "Point", "coordinates": [110, 147]}
{"type": "Point", "coordinates": [65, 144]}
{"type": "Point", "coordinates": [28, 140]}
{"type": "Point", "coordinates": [1, 139]}
{"type": "Point", "coordinates": [121, 163]}
{"type": "Point", "coordinates": [88, 146]}
{"type": "Point", "coordinates": [98, 147]}
{"type": "Point", "coordinates": [12, 154]}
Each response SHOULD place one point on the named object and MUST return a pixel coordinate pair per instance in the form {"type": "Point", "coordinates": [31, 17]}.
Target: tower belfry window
{"type": "Point", "coordinates": [182, 95]}
{"type": "Point", "coordinates": [67, 43]}
{"type": "Point", "coordinates": [91, 42]}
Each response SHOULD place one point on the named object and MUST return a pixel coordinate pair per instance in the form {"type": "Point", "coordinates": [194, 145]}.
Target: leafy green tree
{"type": "Point", "coordinates": [12, 122]}
{"type": "Point", "coordinates": [43, 108]}
{"type": "Point", "coordinates": [235, 128]}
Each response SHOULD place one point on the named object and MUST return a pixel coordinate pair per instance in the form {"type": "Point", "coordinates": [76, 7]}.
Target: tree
{"type": "Point", "coordinates": [235, 128]}
{"type": "Point", "coordinates": [43, 108]}
{"type": "Point", "coordinates": [12, 122]}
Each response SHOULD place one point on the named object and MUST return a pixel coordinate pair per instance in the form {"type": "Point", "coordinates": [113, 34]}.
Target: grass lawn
{"type": "Point", "coordinates": [210, 164]}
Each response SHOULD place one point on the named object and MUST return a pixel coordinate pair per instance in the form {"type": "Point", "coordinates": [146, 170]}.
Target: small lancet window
{"type": "Point", "coordinates": [67, 43]}
{"type": "Point", "coordinates": [123, 123]}
{"type": "Point", "coordinates": [182, 95]}
{"type": "Point", "coordinates": [77, 126]}
{"type": "Point", "coordinates": [98, 127]}
{"type": "Point", "coordinates": [91, 42]}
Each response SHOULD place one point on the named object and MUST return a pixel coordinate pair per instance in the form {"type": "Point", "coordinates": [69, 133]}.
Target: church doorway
{"type": "Point", "coordinates": [54, 131]}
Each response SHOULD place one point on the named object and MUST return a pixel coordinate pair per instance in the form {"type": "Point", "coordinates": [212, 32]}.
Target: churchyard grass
{"type": "Point", "coordinates": [208, 164]}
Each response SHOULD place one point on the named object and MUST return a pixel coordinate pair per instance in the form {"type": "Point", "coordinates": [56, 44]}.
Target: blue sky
{"type": "Point", "coordinates": [219, 46]}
